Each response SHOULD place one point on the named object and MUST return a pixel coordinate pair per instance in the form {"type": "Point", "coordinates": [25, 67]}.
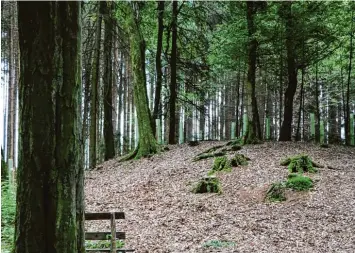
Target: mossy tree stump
{"type": "Point", "coordinates": [239, 159]}
{"type": "Point", "coordinates": [208, 184]}
{"type": "Point", "coordinates": [300, 164]}
{"type": "Point", "coordinates": [276, 193]}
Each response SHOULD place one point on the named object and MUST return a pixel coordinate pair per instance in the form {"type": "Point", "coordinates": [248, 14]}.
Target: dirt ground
{"type": "Point", "coordinates": [163, 215]}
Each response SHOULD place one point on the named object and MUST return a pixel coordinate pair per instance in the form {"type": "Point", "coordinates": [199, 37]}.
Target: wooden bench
{"type": "Point", "coordinates": [113, 235]}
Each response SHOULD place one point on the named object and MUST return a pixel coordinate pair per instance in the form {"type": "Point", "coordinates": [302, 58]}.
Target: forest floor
{"type": "Point", "coordinates": [163, 215]}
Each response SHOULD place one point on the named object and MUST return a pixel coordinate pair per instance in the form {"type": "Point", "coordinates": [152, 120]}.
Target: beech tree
{"type": "Point", "coordinates": [50, 207]}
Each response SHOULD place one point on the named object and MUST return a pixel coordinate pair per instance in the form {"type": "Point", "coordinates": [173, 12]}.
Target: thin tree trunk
{"type": "Point", "coordinates": [158, 65]}
{"type": "Point", "coordinates": [94, 91]}
{"type": "Point", "coordinates": [107, 82]}
{"type": "Point", "coordinates": [173, 80]}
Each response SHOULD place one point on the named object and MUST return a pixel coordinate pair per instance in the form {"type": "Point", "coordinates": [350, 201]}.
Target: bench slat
{"type": "Point", "coordinates": [103, 235]}
{"type": "Point", "coordinates": [103, 216]}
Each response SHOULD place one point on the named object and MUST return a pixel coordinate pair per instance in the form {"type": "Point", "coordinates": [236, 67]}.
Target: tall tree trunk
{"type": "Point", "coordinates": [347, 115]}
{"type": "Point", "coordinates": [147, 144]}
{"type": "Point", "coordinates": [108, 127]}
{"type": "Point", "coordinates": [173, 80]}
{"type": "Point", "coordinates": [298, 131]}
{"type": "Point", "coordinates": [286, 128]}
{"type": "Point", "coordinates": [94, 90]}
{"type": "Point", "coordinates": [158, 65]}
{"type": "Point", "coordinates": [12, 85]}
{"type": "Point", "coordinates": [50, 207]}
{"type": "Point", "coordinates": [254, 130]}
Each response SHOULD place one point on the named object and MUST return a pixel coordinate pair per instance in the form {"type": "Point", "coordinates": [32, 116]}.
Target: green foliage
{"type": "Point", "coordinates": [218, 244]}
{"type": "Point", "coordinates": [102, 244]}
{"type": "Point", "coordinates": [276, 192]}
{"type": "Point", "coordinates": [220, 164]}
{"type": "Point", "coordinates": [8, 212]}
{"type": "Point", "coordinates": [299, 164]}
{"type": "Point", "coordinates": [209, 184]}
{"type": "Point", "coordinates": [239, 159]}
{"type": "Point", "coordinates": [299, 182]}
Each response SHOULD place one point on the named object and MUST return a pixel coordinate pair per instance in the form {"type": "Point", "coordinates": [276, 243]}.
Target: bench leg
{"type": "Point", "coordinates": [113, 233]}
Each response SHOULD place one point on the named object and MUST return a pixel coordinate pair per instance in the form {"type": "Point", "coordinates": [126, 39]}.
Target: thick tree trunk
{"type": "Point", "coordinates": [94, 90]}
{"type": "Point", "coordinates": [50, 207]}
{"type": "Point", "coordinates": [286, 128]}
{"type": "Point", "coordinates": [107, 80]}
{"type": "Point", "coordinates": [173, 80]}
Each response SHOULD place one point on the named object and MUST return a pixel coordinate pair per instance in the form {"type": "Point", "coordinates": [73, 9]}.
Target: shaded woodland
{"type": "Point", "coordinates": [86, 82]}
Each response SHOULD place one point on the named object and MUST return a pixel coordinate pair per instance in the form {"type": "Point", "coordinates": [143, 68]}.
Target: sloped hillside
{"type": "Point", "coordinates": [162, 215]}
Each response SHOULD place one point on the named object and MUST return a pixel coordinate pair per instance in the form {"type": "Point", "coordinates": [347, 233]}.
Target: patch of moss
{"type": "Point", "coordinates": [208, 155]}
{"type": "Point", "coordinates": [234, 142]}
{"type": "Point", "coordinates": [299, 164]}
{"type": "Point", "coordinates": [239, 159]}
{"type": "Point", "coordinates": [208, 184]}
{"type": "Point", "coordinates": [276, 192]}
{"type": "Point", "coordinates": [221, 164]}
{"type": "Point", "coordinates": [299, 182]}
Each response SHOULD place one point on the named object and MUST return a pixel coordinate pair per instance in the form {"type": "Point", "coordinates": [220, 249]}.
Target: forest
{"type": "Point", "coordinates": [138, 106]}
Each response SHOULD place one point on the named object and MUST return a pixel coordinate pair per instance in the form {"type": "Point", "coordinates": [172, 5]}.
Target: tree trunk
{"type": "Point", "coordinates": [173, 81]}
{"type": "Point", "coordinates": [147, 143]}
{"type": "Point", "coordinates": [94, 90]}
{"type": "Point", "coordinates": [347, 111]}
{"type": "Point", "coordinates": [108, 127]}
{"type": "Point", "coordinates": [50, 207]}
{"type": "Point", "coordinates": [286, 128]}
{"type": "Point", "coordinates": [254, 130]}
{"type": "Point", "coordinates": [158, 65]}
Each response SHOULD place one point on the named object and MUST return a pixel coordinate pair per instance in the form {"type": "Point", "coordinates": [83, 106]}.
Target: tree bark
{"type": "Point", "coordinates": [50, 207]}
{"type": "Point", "coordinates": [173, 80]}
{"type": "Point", "coordinates": [147, 144]}
{"type": "Point", "coordinates": [286, 128]}
{"type": "Point", "coordinates": [94, 90]}
{"type": "Point", "coordinates": [107, 80]}
{"type": "Point", "coordinates": [254, 130]}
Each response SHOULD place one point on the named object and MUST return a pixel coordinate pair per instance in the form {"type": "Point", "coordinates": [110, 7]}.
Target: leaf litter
{"type": "Point", "coordinates": [163, 215]}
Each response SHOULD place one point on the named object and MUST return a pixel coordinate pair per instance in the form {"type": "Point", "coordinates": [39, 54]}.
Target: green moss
{"type": "Point", "coordinates": [208, 155]}
{"type": "Point", "coordinates": [221, 164]}
{"type": "Point", "coordinates": [299, 164]}
{"type": "Point", "coordinates": [239, 159]}
{"type": "Point", "coordinates": [208, 184]}
{"type": "Point", "coordinates": [276, 193]}
{"type": "Point", "coordinates": [238, 141]}
{"type": "Point", "coordinates": [299, 182]}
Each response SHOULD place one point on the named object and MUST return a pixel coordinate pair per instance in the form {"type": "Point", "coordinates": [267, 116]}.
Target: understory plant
{"type": "Point", "coordinates": [299, 164]}
{"type": "Point", "coordinates": [298, 182]}
{"type": "Point", "coordinates": [8, 212]}
{"type": "Point", "coordinates": [276, 192]}
{"type": "Point", "coordinates": [210, 184]}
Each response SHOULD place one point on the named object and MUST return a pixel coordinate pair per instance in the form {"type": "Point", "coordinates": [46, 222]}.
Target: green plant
{"type": "Point", "coordinates": [299, 164]}
{"type": "Point", "coordinates": [276, 192]}
{"type": "Point", "coordinates": [221, 163]}
{"type": "Point", "coordinates": [218, 244]}
{"type": "Point", "coordinates": [8, 212]}
{"type": "Point", "coordinates": [103, 244]}
{"type": "Point", "coordinates": [209, 184]}
{"type": "Point", "coordinates": [299, 182]}
{"type": "Point", "coordinates": [239, 159]}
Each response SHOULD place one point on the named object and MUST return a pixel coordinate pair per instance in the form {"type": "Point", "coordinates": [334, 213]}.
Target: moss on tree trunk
{"type": "Point", "coordinates": [49, 215]}
{"type": "Point", "coordinates": [147, 143]}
